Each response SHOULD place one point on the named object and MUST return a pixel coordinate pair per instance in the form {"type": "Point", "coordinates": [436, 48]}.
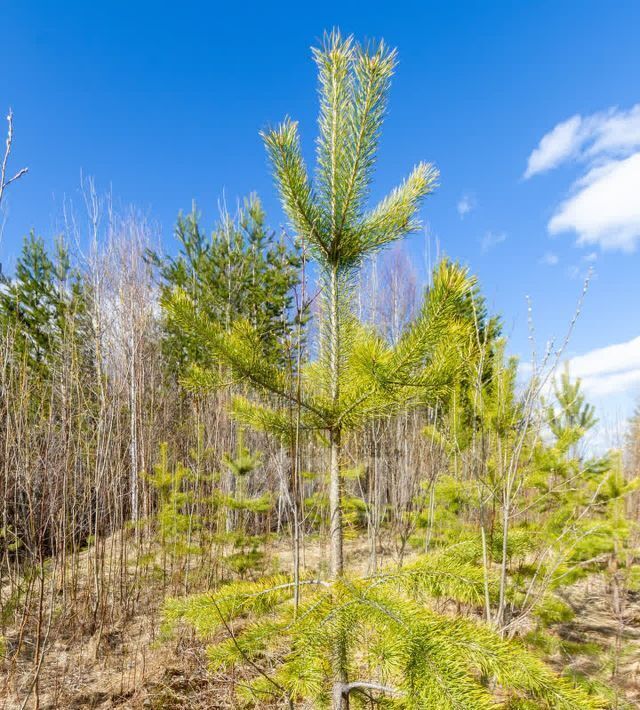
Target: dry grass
{"type": "Point", "coordinates": [128, 664]}
{"type": "Point", "coordinates": [125, 662]}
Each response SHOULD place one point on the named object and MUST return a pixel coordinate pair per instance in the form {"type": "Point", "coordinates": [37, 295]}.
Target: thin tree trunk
{"type": "Point", "coordinates": [133, 425]}
{"type": "Point", "coordinates": [336, 566]}
{"type": "Point", "coordinates": [335, 498]}
{"type": "Point", "coordinates": [335, 508]}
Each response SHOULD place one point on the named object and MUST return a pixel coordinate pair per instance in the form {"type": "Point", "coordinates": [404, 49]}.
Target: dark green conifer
{"type": "Point", "coordinates": [241, 271]}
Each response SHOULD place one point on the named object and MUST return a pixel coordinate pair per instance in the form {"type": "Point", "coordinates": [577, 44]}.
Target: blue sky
{"type": "Point", "coordinates": [163, 102]}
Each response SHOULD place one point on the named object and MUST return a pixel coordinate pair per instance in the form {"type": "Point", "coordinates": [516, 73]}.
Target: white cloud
{"type": "Point", "coordinates": [466, 204]}
{"type": "Point", "coordinates": [613, 132]}
{"type": "Point", "coordinates": [604, 207]}
{"type": "Point", "coordinates": [605, 210]}
{"type": "Point", "coordinates": [491, 240]}
{"type": "Point", "coordinates": [610, 380]}
{"type": "Point", "coordinates": [556, 146]}
{"type": "Point", "coordinates": [612, 358]}
{"type": "Point", "coordinates": [550, 259]}
{"type": "Point", "coordinates": [609, 370]}
{"type": "Point", "coordinates": [607, 385]}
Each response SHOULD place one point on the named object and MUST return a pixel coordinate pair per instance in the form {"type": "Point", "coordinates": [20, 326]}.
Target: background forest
{"type": "Point", "coordinates": [273, 469]}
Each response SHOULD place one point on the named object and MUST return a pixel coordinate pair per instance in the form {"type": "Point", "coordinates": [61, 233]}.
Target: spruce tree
{"type": "Point", "coordinates": [44, 306]}
{"type": "Point", "coordinates": [242, 270]}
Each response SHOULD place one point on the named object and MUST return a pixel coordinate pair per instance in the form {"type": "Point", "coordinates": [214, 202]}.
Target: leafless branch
{"type": "Point", "coordinates": [4, 181]}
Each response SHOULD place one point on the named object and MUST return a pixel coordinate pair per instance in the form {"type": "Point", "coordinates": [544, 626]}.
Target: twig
{"type": "Point", "coordinates": [4, 182]}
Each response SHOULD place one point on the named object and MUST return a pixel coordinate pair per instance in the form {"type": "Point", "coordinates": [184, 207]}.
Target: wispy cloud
{"type": "Point", "coordinates": [466, 204]}
{"type": "Point", "coordinates": [491, 240]}
{"type": "Point", "coordinates": [550, 259]}
{"type": "Point", "coordinates": [555, 147]}
{"type": "Point", "coordinates": [604, 207]}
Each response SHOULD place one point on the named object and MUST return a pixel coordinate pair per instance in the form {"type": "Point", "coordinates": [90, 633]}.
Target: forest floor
{"type": "Point", "coordinates": [132, 666]}
{"type": "Point", "coordinates": [127, 663]}
{"type": "Point", "coordinates": [613, 639]}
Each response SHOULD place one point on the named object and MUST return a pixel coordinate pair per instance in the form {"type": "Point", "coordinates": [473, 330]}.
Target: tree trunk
{"type": "Point", "coordinates": [340, 700]}
{"type": "Point", "coordinates": [335, 496]}
{"type": "Point", "coordinates": [133, 424]}
{"type": "Point", "coordinates": [336, 563]}
{"type": "Point", "coordinates": [335, 507]}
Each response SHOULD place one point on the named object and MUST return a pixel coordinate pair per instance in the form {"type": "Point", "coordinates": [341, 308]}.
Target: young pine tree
{"type": "Point", "coordinates": [358, 375]}
{"type": "Point", "coordinates": [382, 627]}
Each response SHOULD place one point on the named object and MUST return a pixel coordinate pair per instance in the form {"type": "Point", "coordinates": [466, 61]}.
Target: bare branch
{"type": "Point", "coordinates": [4, 182]}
